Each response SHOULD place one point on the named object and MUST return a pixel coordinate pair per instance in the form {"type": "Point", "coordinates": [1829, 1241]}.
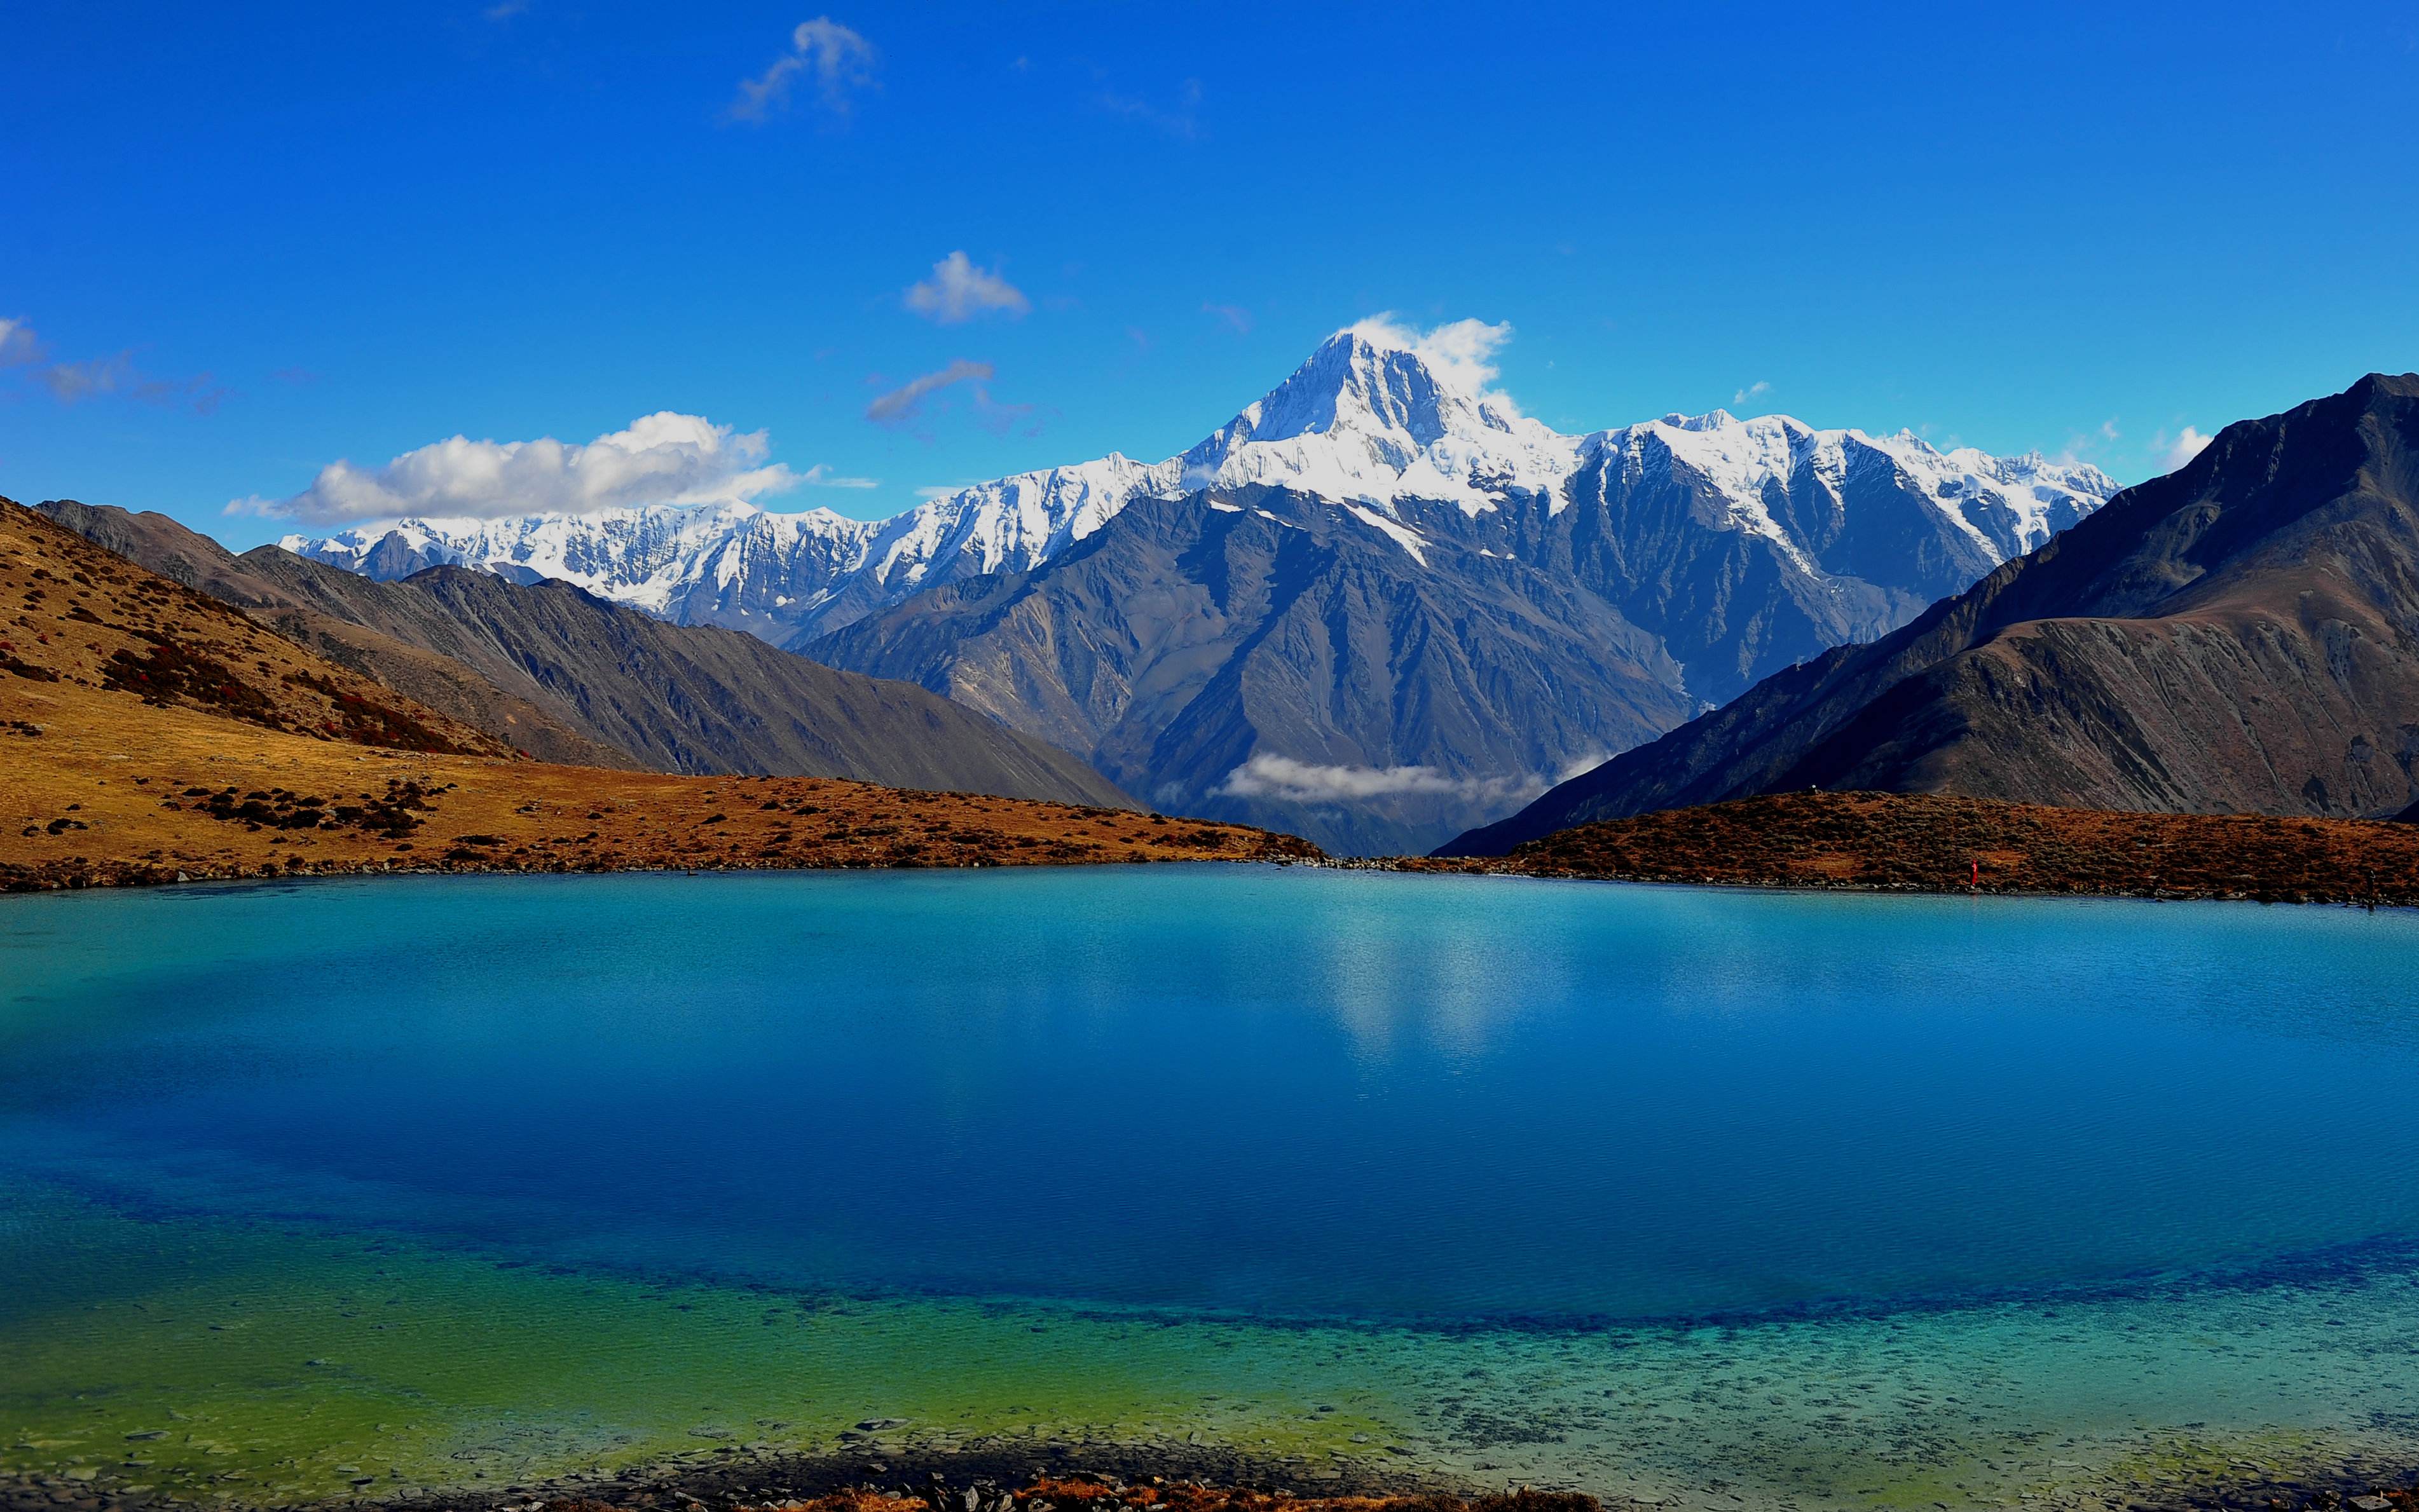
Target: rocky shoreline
{"type": "Point", "coordinates": [1108, 1477]}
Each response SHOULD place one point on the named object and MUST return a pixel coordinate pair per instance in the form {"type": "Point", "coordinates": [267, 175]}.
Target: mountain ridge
{"type": "Point", "coordinates": [154, 734]}
{"type": "Point", "coordinates": [601, 684]}
{"type": "Point", "coordinates": [1365, 421]}
{"type": "Point", "coordinates": [1515, 603]}
{"type": "Point", "coordinates": [2242, 635]}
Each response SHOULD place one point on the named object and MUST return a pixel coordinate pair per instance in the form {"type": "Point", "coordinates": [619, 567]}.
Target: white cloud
{"type": "Point", "coordinates": [1753, 390]}
{"type": "Point", "coordinates": [901, 403]}
{"type": "Point", "coordinates": [836, 58]}
{"type": "Point", "coordinates": [663, 458]}
{"type": "Point", "coordinates": [958, 291]}
{"type": "Point", "coordinates": [1460, 353]}
{"type": "Point", "coordinates": [18, 343]}
{"type": "Point", "coordinates": [2187, 445]}
{"type": "Point", "coordinates": [1238, 319]}
{"type": "Point", "coordinates": [820, 476]}
{"type": "Point", "coordinates": [1579, 764]}
{"type": "Point", "coordinates": [1303, 782]}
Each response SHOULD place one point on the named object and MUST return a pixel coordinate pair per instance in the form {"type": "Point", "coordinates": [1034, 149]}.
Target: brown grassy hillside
{"type": "Point", "coordinates": [147, 731]}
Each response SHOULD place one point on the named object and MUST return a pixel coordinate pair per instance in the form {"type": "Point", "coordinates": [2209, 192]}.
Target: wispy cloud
{"type": "Point", "coordinates": [1180, 120]}
{"type": "Point", "coordinates": [1303, 782]}
{"type": "Point", "coordinates": [2081, 450]}
{"type": "Point", "coordinates": [505, 10]}
{"type": "Point", "coordinates": [999, 418]}
{"type": "Point", "coordinates": [1235, 316]}
{"type": "Point", "coordinates": [1753, 390]}
{"type": "Point", "coordinates": [901, 404]}
{"type": "Point", "coordinates": [664, 458]}
{"type": "Point", "coordinates": [1462, 352]}
{"type": "Point", "coordinates": [72, 383]}
{"type": "Point", "coordinates": [958, 291]}
{"type": "Point", "coordinates": [2188, 444]}
{"type": "Point", "coordinates": [18, 343]}
{"type": "Point", "coordinates": [835, 59]}
{"type": "Point", "coordinates": [820, 476]}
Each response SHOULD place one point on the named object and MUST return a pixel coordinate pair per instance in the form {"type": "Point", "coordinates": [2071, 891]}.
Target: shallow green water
{"type": "Point", "coordinates": [1703, 1198]}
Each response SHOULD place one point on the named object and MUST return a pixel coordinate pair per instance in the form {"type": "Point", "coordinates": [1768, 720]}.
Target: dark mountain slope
{"type": "Point", "coordinates": [1188, 636]}
{"type": "Point", "coordinates": [697, 699]}
{"type": "Point", "coordinates": [2242, 636]}
{"type": "Point", "coordinates": [609, 679]}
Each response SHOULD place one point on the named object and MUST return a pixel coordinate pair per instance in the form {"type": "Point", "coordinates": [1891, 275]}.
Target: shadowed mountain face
{"type": "Point", "coordinates": [571, 677]}
{"type": "Point", "coordinates": [1379, 681]}
{"type": "Point", "coordinates": [2242, 636]}
{"type": "Point", "coordinates": [1188, 639]}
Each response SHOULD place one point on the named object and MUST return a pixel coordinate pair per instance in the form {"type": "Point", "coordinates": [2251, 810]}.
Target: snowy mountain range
{"type": "Point", "coordinates": [1377, 606]}
{"type": "Point", "coordinates": [1361, 423]}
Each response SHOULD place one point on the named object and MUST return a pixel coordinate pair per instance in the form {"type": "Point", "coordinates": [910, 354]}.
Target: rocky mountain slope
{"type": "Point", "coordinates": [1181, 646]}
{"type": "Point", "coordinates": [433, 673]}
{"type": "Point", "coordinates": [2239, 637]}
{"type": "Point", "coordinates": [83, 621]}
{"type": "Point", "coordinates": [1470, 606]}
{"type": "Point", "coordinates": [571, 677]}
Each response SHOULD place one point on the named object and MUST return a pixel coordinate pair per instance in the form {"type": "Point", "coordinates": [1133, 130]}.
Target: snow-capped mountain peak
{"type": "Point", "coordinates": [1712, 419]}
{"type": "Point", "coordinates": [1352, 384]}
{"type": "Point", "coordinates": [1390, 425]}
{"type": "Point", "coordinates": [1370, 421]}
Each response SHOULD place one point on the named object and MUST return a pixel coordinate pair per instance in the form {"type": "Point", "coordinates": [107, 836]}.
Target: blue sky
{"type": "Point", "coordinates": [242, 243]}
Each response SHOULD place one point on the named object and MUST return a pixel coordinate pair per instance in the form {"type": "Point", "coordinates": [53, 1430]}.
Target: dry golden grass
{"type": "Point", "coordinates": [147, 731]}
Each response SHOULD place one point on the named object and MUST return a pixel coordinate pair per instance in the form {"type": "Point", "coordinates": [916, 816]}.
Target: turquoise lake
{"type": "Point", "coordinates": [1697, 1196]}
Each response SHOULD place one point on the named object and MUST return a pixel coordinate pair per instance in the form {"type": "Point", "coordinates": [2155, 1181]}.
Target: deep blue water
{"type": "Point", "coordinates": [1287, 1092]}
